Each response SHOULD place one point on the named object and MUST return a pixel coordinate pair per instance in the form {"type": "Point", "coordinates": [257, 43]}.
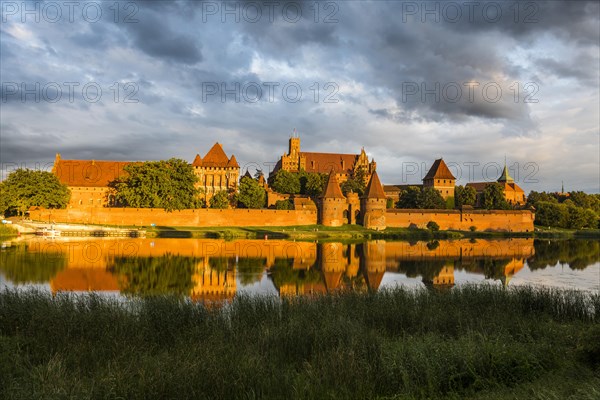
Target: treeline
{"type": "Point", "coordinates": [573, 210]}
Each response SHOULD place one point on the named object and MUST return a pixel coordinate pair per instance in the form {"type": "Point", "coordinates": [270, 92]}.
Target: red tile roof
{"type": "Point", "coordinates": [325, 162]}
{"type": "Point", "coordinates": [197, 161]}
{"type": "Point", "coordinates": [374, 188]}
{"type": "Point", "coordinates": [88, 173]}
{"type": "Point", "coordinates": [439, 170]}
{"type": "Point", "coordinates": [216, 158]}
{"type": "Point", "coordinates": [332, 190]}
{"type": "Point", "coordinates": [233, 162]}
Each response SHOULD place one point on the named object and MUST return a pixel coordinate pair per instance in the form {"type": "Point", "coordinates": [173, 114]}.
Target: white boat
{"type": "Point", "coordinates": [48, 232]}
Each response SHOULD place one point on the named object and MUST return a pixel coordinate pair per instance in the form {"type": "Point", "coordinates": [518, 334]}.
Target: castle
{"type": "Point", "coordinates": [89, 182]}
{"type": "Point", "coordinates": [345, 166]}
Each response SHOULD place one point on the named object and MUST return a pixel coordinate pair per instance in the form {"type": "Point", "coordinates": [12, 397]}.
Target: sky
{"type": "Point", "coordinates": [476, 83]}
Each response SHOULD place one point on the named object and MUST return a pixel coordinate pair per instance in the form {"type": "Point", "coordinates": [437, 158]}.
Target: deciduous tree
{"type": "Point", "coordinates": [25, 188]}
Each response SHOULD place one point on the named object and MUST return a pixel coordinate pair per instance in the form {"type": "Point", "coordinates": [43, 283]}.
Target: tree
{"type": "Point", "coordinates": [258, 173]}
{"type": "Point", "coordinates": [433, 226]}
{"type": "Point", "coordinates": [158, 184]}
{"type": "Point", "coordinates": [312, 184]}
{"type": "Point", "coordinates": [220, 200]}
{"type": "Point", "coordinates": [284, 205]}
{"type": "Point", "coordinates": [465, 196]}
{"type": "Point", "coordinates": [430, 198]}
{"type": "Point", "coordinates": [285, 182]}
{"type": "Point", "coordinates": [251, 194]}
{"type": "Point", "coordinates": [409, 197]}
{"type": "Point", "coordinates": [493, 198]}
{"type": "Point", "coordinates": [551, 214]}
{"type": "Point", "coordinates": [357, 183]}
{"type": "Point", "coordinates": [25, 188]}
{"type": "Point", "coordinates": [535, 197]}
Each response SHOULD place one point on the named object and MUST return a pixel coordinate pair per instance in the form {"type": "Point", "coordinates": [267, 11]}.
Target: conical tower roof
{"type": "Point", "coordinates": [374, 188]}
{"type": "Point", "coordinates": [247, 175]}
{"type": "Point", "coordinates": [439, 170]}
{"type": "Point", "coordinates": [216, 157]}
{"type": "Point", "coordinates": [505, 177]}
{"type": "Point", "coordinates": [233, 162]}
{"type": "Point", "coordinates": [332, 190]}
{"type": "Point", "coordinates": [197, 161]}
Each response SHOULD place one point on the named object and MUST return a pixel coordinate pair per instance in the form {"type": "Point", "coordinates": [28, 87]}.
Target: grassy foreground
{"type": "Point", "coordinates": [469, 342]}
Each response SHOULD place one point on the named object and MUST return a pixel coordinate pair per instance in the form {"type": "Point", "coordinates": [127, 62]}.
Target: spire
{"type": "Point", "coordinates": [505, 177]}
{"type": "Point", "coordinates": [374, 188]}
{"type": "Point", "coordinates": [562, 189]}
{"type": "Point", "coordinates": [247, 175]}
{"type": "Point", "coordinates": [332, 190]}
{"type": "Point", "coordinates": [233, 162]}
{"type": "Point", "coordinates": [197, 161]}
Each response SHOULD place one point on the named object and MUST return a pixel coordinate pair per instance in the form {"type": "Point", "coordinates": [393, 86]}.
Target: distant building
{"type": "Point", "coordinates": [513, 194]}
{"type": "Point", "coordinates": [344, 165]}
{"type": "Point", "coordinates": [88, 180]}
{"type": "Point", "coordinates": [438, 177]}
{"type": "Point", "coordinates": [216, 172]}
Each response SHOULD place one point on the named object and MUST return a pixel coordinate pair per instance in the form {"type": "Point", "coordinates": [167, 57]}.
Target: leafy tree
{"type": "Point", "coordinates": [535, 197]}
{"type": "Point", "coordinates": [576, 217]}
{"type": "Point", "coordinates": [219, 200]}
{"type": "Point", "coordinates": [465, 196]}
{"type": "Point", "coordinates": [158, 184]}
{"type": "Point", "coordinates": [409, 197]}
{"type": "Point", "coordinates": [258, 173]}
{"type": "Point", "coordinates": [25, 188]}
{"type": "Point", "coordinates": [584, 200]}
{"type": "Point", "coordinates": [312, 184]}
{"type": "Point", "coordinates": [284, 205]}
{"type": "Point", "coordinates": [389, 203]}
{"type": "Point", "coordinates": [591, 219]}
{"type": "Point", "coordinates": [357, 183]}
{"type": "Point", "coordinates": [551, 214]}
{"type": "Point", "coordinates": [493, 198]}
{"type": "Point", "coordinates": [430, 198]}
{"type": "Point", "coordinates": [433, 226]}
{"type": "Point", "coordinates": [251, 194]}
{"type": "Point", "coordinates": [285, 182]}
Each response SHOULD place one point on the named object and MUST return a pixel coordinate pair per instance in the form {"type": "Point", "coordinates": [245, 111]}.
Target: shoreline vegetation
{"type": "Point", "coordinates": [343, 233]}
{"type": "Point", "coordinates": [481, 342]}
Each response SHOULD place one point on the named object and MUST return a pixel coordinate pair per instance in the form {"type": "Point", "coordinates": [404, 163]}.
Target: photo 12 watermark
{"type": "Point", "coordinates": [270, 92]}
{"type": "Point", "coordinates": [490, 12]}
{"type": "Point", "coordinates": [54, 92]}
{"type": "Point", "coordinates": [69, 11]}
{"type": "Point", "coordinates": [319, 12]}
{"type": "Point", "coordinates": [471, 91]}
{"type": "Point", "coordinates": [472, 171]}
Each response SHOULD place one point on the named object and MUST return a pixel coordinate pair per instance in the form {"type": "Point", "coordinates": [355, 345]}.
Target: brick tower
{"type": "Point", "coordinates": [332, 203]}
{"type": "Point", "coordinates": [373, 204]}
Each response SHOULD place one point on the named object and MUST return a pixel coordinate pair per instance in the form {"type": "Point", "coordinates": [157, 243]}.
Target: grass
{"type": "Point", "coordinates": [7, 231]}
{"type": "Point", "coordinates": [469, 342]}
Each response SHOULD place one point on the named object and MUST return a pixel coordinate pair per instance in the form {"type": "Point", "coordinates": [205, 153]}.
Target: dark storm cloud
{"type": "Point", "coordinates": [154, 36]}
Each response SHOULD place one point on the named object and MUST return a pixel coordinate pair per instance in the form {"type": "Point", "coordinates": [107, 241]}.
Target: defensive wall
{"type": "Point", "coordinates": [482, 220]}
{"type": "Point", "coordinates": [200, 217]}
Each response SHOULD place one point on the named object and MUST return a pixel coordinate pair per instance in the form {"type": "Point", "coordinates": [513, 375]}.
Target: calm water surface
{"type": "Point", "coordinates": [210, 269]}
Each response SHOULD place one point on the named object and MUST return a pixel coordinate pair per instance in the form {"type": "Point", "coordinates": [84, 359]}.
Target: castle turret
{"type": "Point", "coordinates": [373, 204]}
{"type": "Point", "coordinates": [332, 203]}
{"type": "Point", "coordinates": [440, 178]}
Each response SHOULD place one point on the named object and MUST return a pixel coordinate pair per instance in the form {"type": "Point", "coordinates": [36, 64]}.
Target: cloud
{"type": "Point", "coordinates": [370, 53]}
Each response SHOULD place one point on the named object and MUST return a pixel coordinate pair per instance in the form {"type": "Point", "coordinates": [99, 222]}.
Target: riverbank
{"type": "Point", "coordinates": [346, 233]}
{"type": "Point", "coordinates": [469, 342]}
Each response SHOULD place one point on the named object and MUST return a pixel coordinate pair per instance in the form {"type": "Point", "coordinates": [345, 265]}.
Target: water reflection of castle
{"type": "Point", "coordinates": [214, 269]}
